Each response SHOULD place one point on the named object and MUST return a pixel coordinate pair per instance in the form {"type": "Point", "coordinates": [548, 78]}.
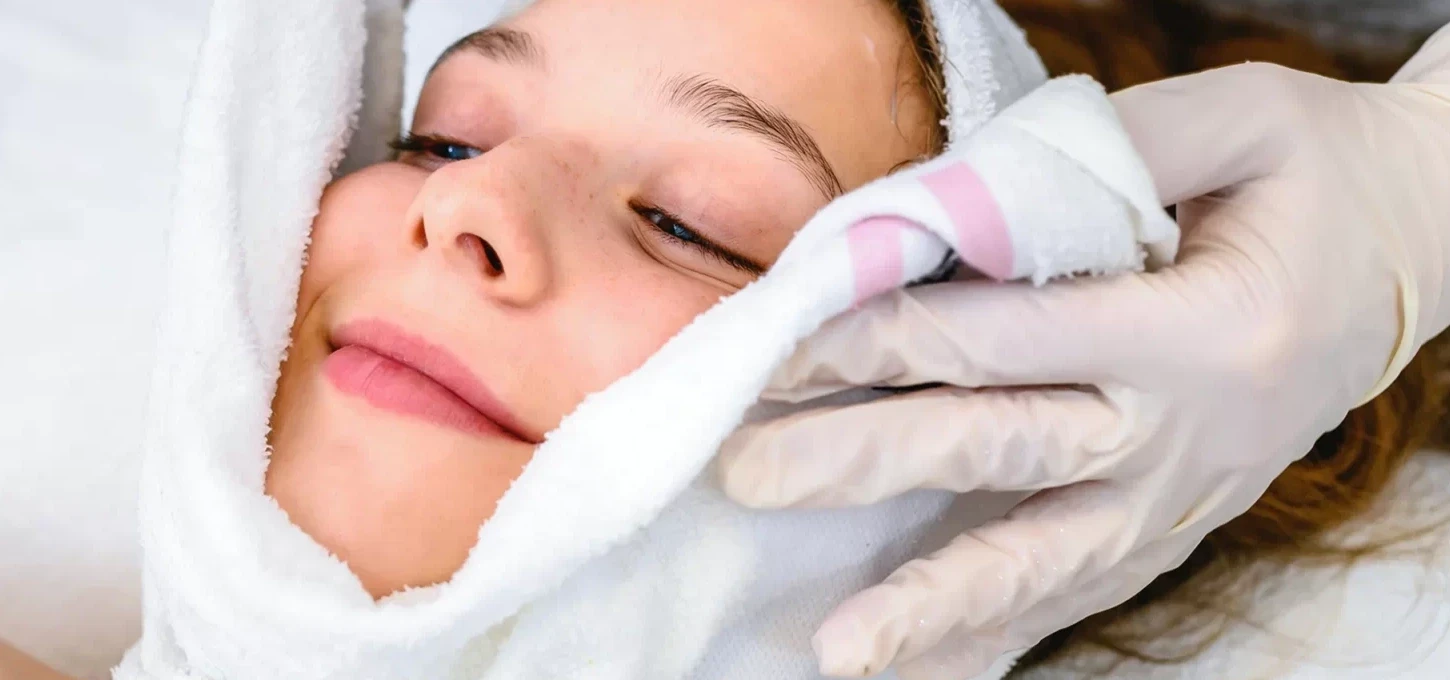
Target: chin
{"type": "Point", "coordinates": [399, 501]}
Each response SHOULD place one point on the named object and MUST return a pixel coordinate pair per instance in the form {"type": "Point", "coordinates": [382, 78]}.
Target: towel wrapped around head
{"type": "Point", "coordinates": [614, 555]}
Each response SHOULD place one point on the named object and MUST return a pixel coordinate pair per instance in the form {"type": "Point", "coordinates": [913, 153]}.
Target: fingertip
{"type": "Point", "coordinates": [846, 647]}
{"type": "Point", "coordinates": [901, 624]}
{"type": "Point", "coordinates": [799, 460]}
{"type": "Point", "coordinates": [860, 347]}
{"type": "Point", "coordinates": [745, 469]}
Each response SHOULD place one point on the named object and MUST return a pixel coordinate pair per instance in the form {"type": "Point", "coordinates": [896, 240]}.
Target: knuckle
{"type": "Point", "coordinates": [1136, 428]}
{"type": "Point", "coordinates": [1267, 81]}
{"type": "Point", "coordinates": [1280, 96]}
{"type": "Point", "coordinates": [1263, 71]}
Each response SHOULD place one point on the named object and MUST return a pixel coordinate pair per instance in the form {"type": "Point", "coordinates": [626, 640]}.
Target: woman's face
{"type": "Point", "coordinates": [582, 182]}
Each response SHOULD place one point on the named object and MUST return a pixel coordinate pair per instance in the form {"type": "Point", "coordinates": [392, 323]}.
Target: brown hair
{"type": "Point", "coordinates": [1123, 43]}
{"type": "Point", "coordinates": [925, 53]}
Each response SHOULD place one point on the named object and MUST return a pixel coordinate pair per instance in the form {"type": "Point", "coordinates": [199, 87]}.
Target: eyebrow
{"type": "Point", "coordinates": [719, 105]}
{"type": "Point", "coordinates": [500, 44]}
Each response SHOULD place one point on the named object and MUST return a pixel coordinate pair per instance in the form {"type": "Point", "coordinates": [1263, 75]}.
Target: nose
{"type": "Point", "coordinates": [483, 222]}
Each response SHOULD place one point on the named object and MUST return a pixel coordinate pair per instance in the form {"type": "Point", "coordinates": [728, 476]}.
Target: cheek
{"type": "Point", "coordinates": [617, 324]}
{"type": "Point", "coordinates": [361, 220]}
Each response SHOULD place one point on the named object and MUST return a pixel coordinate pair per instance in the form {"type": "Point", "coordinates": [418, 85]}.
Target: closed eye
{"type": "Point", "coordinates": [441, 148]}
{"type": "Point", "coordinates": [675, 229]}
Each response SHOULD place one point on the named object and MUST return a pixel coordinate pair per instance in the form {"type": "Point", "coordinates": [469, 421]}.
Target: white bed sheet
{"type": "Point", "coordinates": [90, 100]}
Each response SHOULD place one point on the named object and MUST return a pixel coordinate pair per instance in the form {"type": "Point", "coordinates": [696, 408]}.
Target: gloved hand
{"type": "Point", "coordinates": [17, 665]}
{"type": "Point", "coordinates": [1148, 409]}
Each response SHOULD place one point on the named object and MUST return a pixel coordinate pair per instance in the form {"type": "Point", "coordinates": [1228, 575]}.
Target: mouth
{"type": "Point", "coordinates": [396, 371]}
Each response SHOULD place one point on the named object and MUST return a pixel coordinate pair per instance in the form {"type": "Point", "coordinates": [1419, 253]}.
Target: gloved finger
{"type": "Point", "coordinates": [974, 334]}
{"type": "Point", "coordinates": [1109, 589]}
{"type": "Point", "coordinates": [947, 438]}
{"type": "Point", "coordinates": [967, 652]}
{"type": "Point", "coordinates": [960, 654]}
{"type": "Point", "coordinates": [1203, 132]}
{"type": "Point", "coordinates": [984, 578]}
{"type": "Point", "coordinates": [1428, 65]}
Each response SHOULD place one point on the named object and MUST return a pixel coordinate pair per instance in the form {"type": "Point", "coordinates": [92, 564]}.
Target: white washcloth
{"type": "Point", "coordinates": [613, 556]}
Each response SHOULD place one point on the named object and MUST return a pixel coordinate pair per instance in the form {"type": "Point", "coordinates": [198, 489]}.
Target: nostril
{"type": "Point", "coordinates": [493, 259]}
{"type": "Point", "coordinates": [483, 252]}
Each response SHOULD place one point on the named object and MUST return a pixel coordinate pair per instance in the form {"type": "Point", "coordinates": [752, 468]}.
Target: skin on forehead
{"type": "Point", "coordinates": [836, 66]}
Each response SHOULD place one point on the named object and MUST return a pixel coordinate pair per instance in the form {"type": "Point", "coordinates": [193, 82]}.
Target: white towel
{"type": "Point", "coordinates": [613, 556]}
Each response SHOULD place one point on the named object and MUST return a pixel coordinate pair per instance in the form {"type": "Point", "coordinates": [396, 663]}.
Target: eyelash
{"type": "Point", "coordinates": [446, 150]}
{"type": "Point", "coordinates": [671, 227]}
{"type": "Point", "coordinates": [433, 145]}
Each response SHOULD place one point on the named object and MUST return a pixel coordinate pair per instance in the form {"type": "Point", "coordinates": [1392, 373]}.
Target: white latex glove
{"type": "Point", "coordinates": [1149, 409]}
{"type": "Point", "coordinates": [16, 665]}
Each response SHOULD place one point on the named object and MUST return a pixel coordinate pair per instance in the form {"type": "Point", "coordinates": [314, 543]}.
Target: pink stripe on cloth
{"type": "Point", "coordinates": [983, 241]}
{"type": "Point", "coordinates": [876, 256]}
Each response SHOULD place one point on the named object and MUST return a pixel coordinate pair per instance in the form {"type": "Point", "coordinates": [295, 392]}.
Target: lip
{"type": "Point", "coordinates": [397, 371]}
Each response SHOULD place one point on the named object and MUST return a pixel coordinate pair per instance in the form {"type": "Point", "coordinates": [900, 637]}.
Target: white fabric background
{"type": "Point", "coordinates": [90, 98]}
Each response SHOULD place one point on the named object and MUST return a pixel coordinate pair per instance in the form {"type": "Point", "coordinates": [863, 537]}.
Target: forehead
{"type": "Point", "coordinates": [841, 68]}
